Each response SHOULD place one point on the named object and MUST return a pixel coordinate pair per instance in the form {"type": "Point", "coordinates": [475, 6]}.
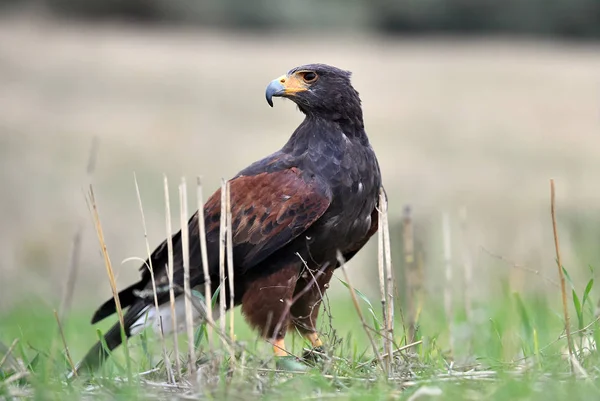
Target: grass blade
{"type": "Point", "coordinates": [561, 271]}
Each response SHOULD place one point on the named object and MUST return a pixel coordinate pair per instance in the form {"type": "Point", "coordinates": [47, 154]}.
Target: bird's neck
{"type": "Point", "coordinates": [349, 119]}
{"type": "Point", "coordinates": [318, 128]}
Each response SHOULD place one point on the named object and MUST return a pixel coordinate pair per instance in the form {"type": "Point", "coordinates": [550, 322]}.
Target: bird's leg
{"type": "Point", "coordinates": [314, 339]}
{"type": "Point", "coordinates": [306, 308]}
{"type": "Point", "coordinates": [284, 360]}
{"type": "Point", "coordinates": [265, 304]}
{"type": "Point", "coordinates": [279, 347]}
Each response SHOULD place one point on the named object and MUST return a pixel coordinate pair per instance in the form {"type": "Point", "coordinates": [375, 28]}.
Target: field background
{"type": "Point", "coordinates": [480, 123]}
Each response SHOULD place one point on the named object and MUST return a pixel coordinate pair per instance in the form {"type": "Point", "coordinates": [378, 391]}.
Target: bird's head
{"type": "Point", "coordinates": [318, 90]}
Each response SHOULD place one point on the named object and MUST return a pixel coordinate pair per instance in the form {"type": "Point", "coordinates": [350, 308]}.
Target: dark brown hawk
{"type": "Point", "coordinates": [291, 213]}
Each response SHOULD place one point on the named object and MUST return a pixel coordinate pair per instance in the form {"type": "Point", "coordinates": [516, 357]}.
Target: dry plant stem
{"type": "Point", "coordinates": [111, 277]}
{"type": "Point", "coordinates": [170, 274]}
{"type": "Point", "coordinates": [396, 351]}
{"type": "Point", "coordinates": [167, 361]}
{"type": "Point", "coordinates": [62, 336]}
{"type": "Point", "coordinates": [359, 311]}
{"type": "Point", "coordinates": [207, 282]}
{"type": "Point", "coordinates": [222, 239]}
{"type": "Point", "coordinates": [402, 381]}
{"type": "Point", "coordinates": [582, 330]}
{"type": "Point", "coordinates": [467, 271]}
{"type": "Point", "coordinates": [72, 274]}
{"type": "Point", "coordinates": [560, 272]}
{"type": "Point", "coordinates": [189, 320]}
{"type": "Point", "coordinates": [578, 369]}
{"type": "Point", "coordinates": [384, 335]}
{"type": "Point", "coordinates": [411, 279]}
{"type": "Point", "coordinates": [389, 275]}
{"type": "Point", "coordinates": [65, 305]}
{"type": "Point", "coordinates": [407, 346]}
{"type": "Point", "coordinates": [230, 263]}
{"type": "Point", "coordinates": [16, 377]}
{"type": "Point", "coordinates": [8, 352]}
{"type": "Point", "coordinates": [149, 266]}
{"type": "Point", "coordinates": [448, 269]}
{"type": "Point", "coordinates": [381, 271]}
{"type": "Point", "coordinates": [467, 265]}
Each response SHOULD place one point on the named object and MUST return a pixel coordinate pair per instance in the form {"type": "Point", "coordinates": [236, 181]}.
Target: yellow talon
{"type": "Point", "coordinates": [314, 339]}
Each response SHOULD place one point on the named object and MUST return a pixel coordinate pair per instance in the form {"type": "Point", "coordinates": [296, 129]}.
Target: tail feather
{"type": "Point", "coordinates": [96, 356]}
{"type": "Point", "coordinates": [126, 297]}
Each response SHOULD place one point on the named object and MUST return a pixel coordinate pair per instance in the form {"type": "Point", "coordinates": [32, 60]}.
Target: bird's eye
{"type": "Point", "coordinates": [309, 77]}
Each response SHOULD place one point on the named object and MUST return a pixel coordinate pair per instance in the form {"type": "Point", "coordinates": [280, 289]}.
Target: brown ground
{"type": "Point", "coordinates": [482, 124]}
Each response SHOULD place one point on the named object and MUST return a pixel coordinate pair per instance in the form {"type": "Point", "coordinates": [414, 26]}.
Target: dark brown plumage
{"type": "Point", "coordinates": [291, 212]}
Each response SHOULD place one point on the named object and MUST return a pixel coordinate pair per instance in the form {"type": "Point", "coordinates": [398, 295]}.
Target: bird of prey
{"type": "Point", "coordinates": [292, 212]}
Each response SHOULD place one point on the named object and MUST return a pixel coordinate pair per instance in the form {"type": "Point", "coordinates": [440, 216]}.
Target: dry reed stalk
{"type": "Point", "coordinates": [467, 265]}
{"type": "Point", "coordinates": [366, 327]}
{"type": "Point", "coordinates": [407, 346]}
{"type": "Point", "coordinates": [389, 322]}
{"type": "Point", "coordinates": [66, 301]}
{"type": "Point", "coordinates": [411, 279]}
{"type": "Point", "coordinates": [396, 351]}
{"type": "Point", "coordinates": [381, 271]}
{"type": "Point", "coordinates": [16, 377]}
{"type": "Point", "coordinates": [578, 369]}
{"type": "Point", "coordinates": [111, 277]}
{"type": "Point", "coordinates": [420, 269]}
{"type": "Point", "coordinates": [222, 240]}
{"type": "Point", "coordinates": [185, 248]}
{"type": "Point", "coordinates": [7, 353]}
{"type": "Point", "coordinates": [64, 340]}
{"type": "Point", "coordinates": [448, 269]}
{"type": "Point", "coordinates": [150, 267]}
{"type": "Point", "coordinates": [229, 249]}
{"type": "Point", "coordinates": [170, 274]}
{"type": "Point", "coordinates": [582, 330]}
{"type": "Point", "coordinates": [207, 282]}
{"type": "Point", "coordinates": [560, 272]}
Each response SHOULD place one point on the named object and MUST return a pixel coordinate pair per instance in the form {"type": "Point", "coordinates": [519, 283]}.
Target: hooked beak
{"type": "Point", "coordinates": [285, 86]}
{"type": "Point", "coordinates": [275, 88]}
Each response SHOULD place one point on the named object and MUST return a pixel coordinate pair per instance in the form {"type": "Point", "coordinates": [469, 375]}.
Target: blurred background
{"type": "Point", "coordinates": [471, 106]}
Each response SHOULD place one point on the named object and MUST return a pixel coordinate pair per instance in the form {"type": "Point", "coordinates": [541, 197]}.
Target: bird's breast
{"type": "Point", "coordinates": [352, 172]}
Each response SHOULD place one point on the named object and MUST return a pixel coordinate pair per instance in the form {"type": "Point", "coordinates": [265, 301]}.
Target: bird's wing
{"type": "Point", "coordinates": [268, 210]}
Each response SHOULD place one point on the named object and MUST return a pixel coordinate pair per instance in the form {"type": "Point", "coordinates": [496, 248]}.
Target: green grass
{"type": "Point", "coordinates": [511, 350]}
